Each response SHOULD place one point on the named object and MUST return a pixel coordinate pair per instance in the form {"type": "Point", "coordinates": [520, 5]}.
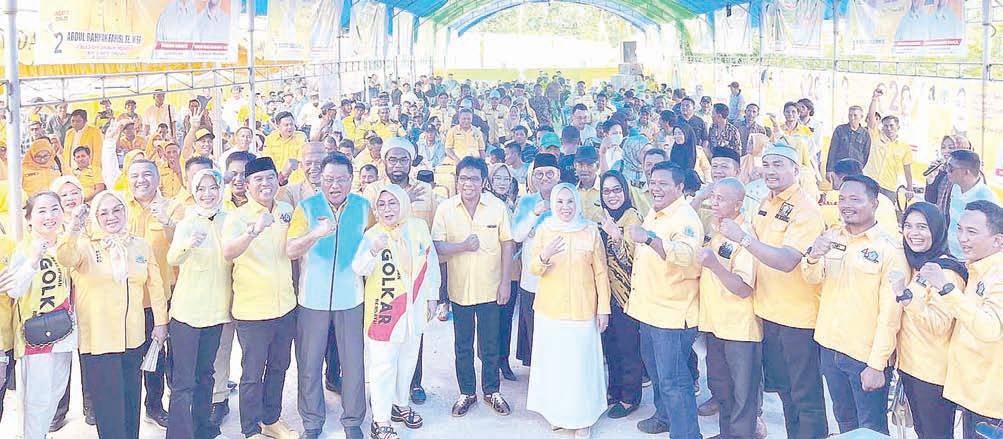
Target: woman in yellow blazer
{"type": "Point", "coordinates": [38, 167]}
{"type": "Point", "coordinates": [112, 272]}
{"type": "Point", "coordinates": [200, 306]}
{"type": "Point", "coordinates": [567, 384]}
{"type": "Point", "coordinates": [41, 288]}
{"type": "Point", "coordinates": [926, 323]}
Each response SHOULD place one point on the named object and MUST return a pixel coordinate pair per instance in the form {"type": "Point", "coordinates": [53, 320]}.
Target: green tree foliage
{"type": "Point", "coordinates": [556, 18]}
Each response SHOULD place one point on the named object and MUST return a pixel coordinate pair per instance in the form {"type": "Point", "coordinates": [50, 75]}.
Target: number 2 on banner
{"type": "Point", "coordinates": [59, 43]}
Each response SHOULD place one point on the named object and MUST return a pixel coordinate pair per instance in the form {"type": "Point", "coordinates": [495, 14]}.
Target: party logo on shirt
{"type": "Point", "coordinates": [140, 259]}
{"type": "Point", "coordinates": [980, 289]}
{"type": "Point", "coordinates": [286, 218]}
{"type": "Point", "coordinates": [726, 250]}
{"type": "Point", "coordinates": [689, 231]}
{"type": "Point", "coordinates": [785, 212]}
{"type": "Point", "coordinates": [870, 255]}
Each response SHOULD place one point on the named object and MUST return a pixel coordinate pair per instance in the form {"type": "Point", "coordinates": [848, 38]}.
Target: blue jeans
{"type": "Point", "coordinates": [852, 406]}
{"type": "Point", "coordinates": [665, 353]}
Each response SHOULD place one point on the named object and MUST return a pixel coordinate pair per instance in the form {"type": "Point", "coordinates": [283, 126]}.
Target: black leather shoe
{"type": "Point", "coordinates": [498, 404]}
{"type": "Point", "coordinates": [506, 372]}
{"type": "Point", "coordinates": [652, 426]}
{"type": "Point", "coordinates": [621, 410]}
{"type": "Point", "coordinates": [418, 395]}
{"type": "Point", "coordinates": [333, 386]}
{"type": "Point", "coordinates": [354, 433]}
{"type": "Point", "coordinates": [57, 424]}
{"type": "Point", "coordinates": [218, 412]}
{"type": "Point", "coordinates": [158, 418]}
{"type": "Point", "coordinates": [463, 405]}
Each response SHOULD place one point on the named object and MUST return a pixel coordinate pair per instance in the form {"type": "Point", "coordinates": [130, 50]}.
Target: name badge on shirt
{"type": "Point", "coordinates": [762, 213]}
{"type": "Point", "coordinates": [785, 212]}
{"type": "Point", "coordinates": [839, 246]}
{"type": "Point", "coordinates": [492, 226]}
{"type": "Point", "coordinates": [726, 250]}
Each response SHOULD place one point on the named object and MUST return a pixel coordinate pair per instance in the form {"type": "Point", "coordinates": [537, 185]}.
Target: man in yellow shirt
{"type": "Point", "coordinates": [383, 126]}
{"type": "Point", "coordinates": [311, 157]}
{"type": "Point", "coordinates": [464, 139]}
{"type": "Point", "coordinates": [442, 111]}
{"type": "Point", "coordinates": [127, 139]}
{"type": "Point", "coordinates": [472, 234]}
{"type": "Point", "coordinates": [975, 355]}
{"type": "Point", "coordinates": [88, 176]}
{"type": "Point", "coordinates": [734, 333]}
{"type": "Point", "coordinates": [355, 124]}
{"type": "Point", "coordinates": [889, 155]}
{"type": "Point", "coordinates": [858, 317]}
{"type": "Point", "coordinates": [786, 224]}
{"type": "Point", "coordinates": [829, 200]}
{"type": "Point", "coordinates": [81, 134]}
{"type": "Point", "coordinates": [283, 146]}
{"type": "Point", "coordinates": [153, 217]}
{"type": "Point", "coordinates": [663, 298]}
{"type": "Point", "coordinates": [254, 239]}
{"type": "Point", "coordinates": [494, 114]}
{"type": "Point", "coordinates": [587, 171]}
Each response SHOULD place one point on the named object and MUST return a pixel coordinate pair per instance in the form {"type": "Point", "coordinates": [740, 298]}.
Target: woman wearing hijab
{"type": "Point", "coordinates": [630, 165]}
{"type": "Point", "coordinates": [572, 310]}
{"type": "Point", "coordinates": [38, 167]}
{"type": "Point", "coordinates": [402, 290]}
{"type": "Point", "coordinates": [683, 151]}
{"type": "Point", "coordinates": [41, 293]}
{"type": "Point", "coordinates": [71, 194]}
{"type": "Point", "coordinates": [200, 306]}
{"type": "Point", "coordinates": [500, 184]}
{"type": "Point", "coordinates": [505, 187]}
{"type": "Point", "coordinates": [622, 341]}
{"type": "Point", "coordinates": [112, 272]}
{"type": "Point", "coordinates": [938, 186]}
{"type": "Point", "coordinates": [926, 324]}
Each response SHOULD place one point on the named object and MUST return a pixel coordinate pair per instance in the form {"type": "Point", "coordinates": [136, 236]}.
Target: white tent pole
{"type": "Point", "coordinates": [13, 123]}
{"type": "Point", "coordinates": [250, 65]}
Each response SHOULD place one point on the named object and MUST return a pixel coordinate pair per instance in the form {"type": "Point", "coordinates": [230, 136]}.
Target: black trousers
{"type": "Point", "coordinates": [332, 373]}
{"type": "Point", "coordinates": [266, 347]}
{"type": "Point", "coordinates": [505, 325]}
{"type": "Point", "coordinates": [155, 381]}
{"type": "Point", "coordinates": [932, 414]}
{"type": "Point", "coordinates": [191, 387]}
{"type": "Point", "coordinates": [735, 377]}
{"type": "Point", "coordinates": [524, 345]}
{"type": "Point", "coordinates": [9, 368]}
{"type": "Point", "coordinates": [791, 367]}
{"type": "Point", "coordinates": [114, 382]}
{"type": "Point", "coordinates": [481, 319]}
{"type": "Point", "coordinates": [621, 344]}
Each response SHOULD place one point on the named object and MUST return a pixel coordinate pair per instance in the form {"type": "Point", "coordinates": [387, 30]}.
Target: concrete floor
{"type": "Point", "coordinates": [440, 384]}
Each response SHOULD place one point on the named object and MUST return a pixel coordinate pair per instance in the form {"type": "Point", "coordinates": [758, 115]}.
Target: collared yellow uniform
{"type": "Point", "coordinates": [722, 313]}
{"type": "Point", "coordinates": [184, 198]}
{"type": "Point", "coordinates": [887, 159]}
{"type": "Point", "coordinates": [642, 199]}
{"type": "Point", "coordinates": [788, 219]}
{"type": "Point", "coordinates": [474, 277]}
{"type": "Point", "coordinates": [857, 314]}
{"type": "Point", "coordinates": [574, 285]}
{"type": "Point", "coordinates": [664, 292]}
{"type": "Point", "coordinates": [143, 223]}
{"type": "Point", "coordinates": [445, 115]}
{"type": "Point", "coordinates": [975, 358]}
{"type": "Point", "coordinates": [6, 318]}
{"type": "Point", "coordinates": [355, 131]}
{"type": "Point", "coordinates": [128, 145]}
{"type": "Point", "coordinates": [423, 209]}
{"type": "Point", "coordinates": [386, 130]}
{"type": "Point", "coordinates": [262, 275]}
{"type": "Point", "coordinates": [885, 214]}
{"type": "Point", "coordinates": [494, 119]}
{"type": "Point", "coordinates": [90, 137]}
{"type": "Point", "coordinates": [202, 296]}
{"type": "Point", "coordinates": [591, 205]}
{"type": "Point", "coordinates": [925, 334]}
{"type": "Point", "coordinates": [110, 314]}
{"type": "Point", "coordinates": [465, 143]}
{"type": "Point", "coordinates": [90, 178]}
{"type": "Point", "coordinates": [281, 149]}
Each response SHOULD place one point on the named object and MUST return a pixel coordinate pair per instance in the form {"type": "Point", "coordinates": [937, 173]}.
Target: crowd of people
{"type": "Point", "coordinates": [605, 229]}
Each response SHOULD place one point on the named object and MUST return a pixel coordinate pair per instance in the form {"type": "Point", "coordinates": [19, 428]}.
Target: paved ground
{"type": "Point", "coordinates": [440, 383]}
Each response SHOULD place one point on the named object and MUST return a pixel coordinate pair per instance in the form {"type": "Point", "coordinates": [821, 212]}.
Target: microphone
{"type": "Point", "coordinates": [933, 167]}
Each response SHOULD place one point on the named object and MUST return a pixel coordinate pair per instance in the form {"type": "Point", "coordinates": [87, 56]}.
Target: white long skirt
{"type": "Point", "coordinates": [567, 383]}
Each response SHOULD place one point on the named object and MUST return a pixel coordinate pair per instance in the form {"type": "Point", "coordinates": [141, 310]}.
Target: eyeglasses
{"type": "Point", "coordinates": [398, 161]}
{"type": "Point", "coordinates": [545, 174]}
{"type": "Point", "coordinates": [340, 181]}
{"type": "Point", "coordinates": [614, 190]}
{"type": "Point", "coordinates": [466, 179]}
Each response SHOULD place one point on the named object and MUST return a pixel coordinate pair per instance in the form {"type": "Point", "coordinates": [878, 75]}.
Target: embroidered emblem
{"type": "Point", "coordinates": [980, 289]}
{"type": "Point", "coordinates": [140, 259]}
{"type": "Point", "coordinates": [870, 255]}
{"type": "Point", "coordinates": [706, 239]}
{"type": "Point", "coordinates": [689, 231]}
{"type": "Point", "coordinates": [726, 250]}
{"type": "Point", "coordinates": [286, 218]}
{"type": "Point", "coordinates": [785, 212]}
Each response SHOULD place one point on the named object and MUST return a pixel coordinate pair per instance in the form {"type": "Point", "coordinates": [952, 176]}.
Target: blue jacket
{"type": "Point", "coordinates": [327, 282]}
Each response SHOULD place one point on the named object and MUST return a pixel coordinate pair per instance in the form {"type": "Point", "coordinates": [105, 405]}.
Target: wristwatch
{"type": "Point", "coordinates": [906, 295]}
{"type": "Point", "coordinates": [746, 241]}
{"type": "Point", "coordinates": [948, 287]}
{"type": "Point", "coordinates": [251, 232]}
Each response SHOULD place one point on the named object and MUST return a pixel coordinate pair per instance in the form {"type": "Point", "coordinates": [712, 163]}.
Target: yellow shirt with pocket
{"type": "Point", "coordinates": [722, 313]}
{"type": "Point", "coordinates": [204, 288]}
{"type": "Point", "coordinates": [574, 284]}
{"type": "Point", "coordinates": [262, 275]}
{"type": "Point", "coordinates": [281, 149]}
{"type": "Point", "coordinates": [465, 143]}
{"type": "Point", "coordinates": [887, 159]}
{"type": "Point", "coordinates": [925, 335]}
{"type": "Point", "coordinates": [143, 223]}
{"type": "Point", "coordinates": [664, 292]}
{"type": "Point", "coordinates": [474, 277]}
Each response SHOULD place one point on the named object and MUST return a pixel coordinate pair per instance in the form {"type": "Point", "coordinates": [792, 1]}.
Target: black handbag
{"type": "Point", "coordinates": [47, 329]}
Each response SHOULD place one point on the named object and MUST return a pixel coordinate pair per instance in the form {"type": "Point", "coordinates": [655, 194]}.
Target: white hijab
{"type": "Point", "coordinates": [577, 221]}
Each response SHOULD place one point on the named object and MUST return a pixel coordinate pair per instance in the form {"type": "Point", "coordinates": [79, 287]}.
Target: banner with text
{"type": "Point", "coordinates": [793, 27]}
{"type": "Point", "coordinates": [92, 31]}
{"type": "Point", "coordinates": [905, 27]}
